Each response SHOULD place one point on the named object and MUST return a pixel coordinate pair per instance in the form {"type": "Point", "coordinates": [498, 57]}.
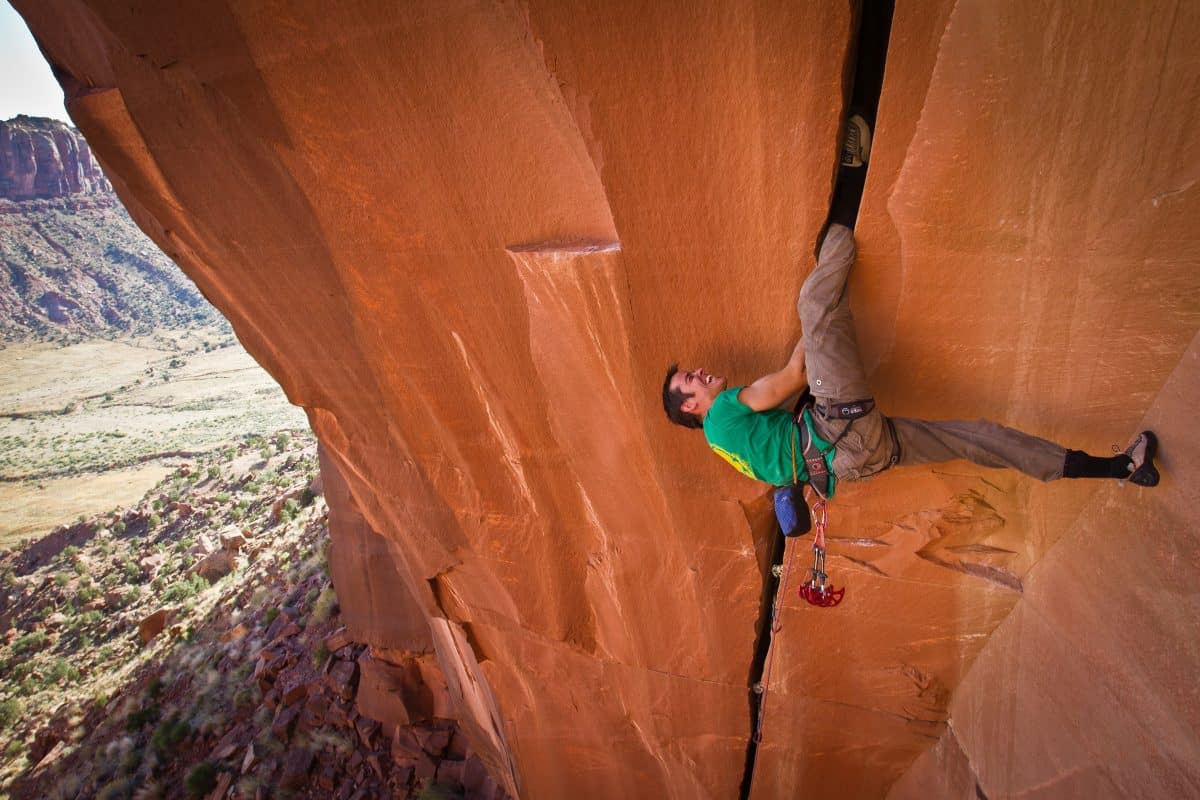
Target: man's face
{"type": "Point", "coordinates": [703, 387]}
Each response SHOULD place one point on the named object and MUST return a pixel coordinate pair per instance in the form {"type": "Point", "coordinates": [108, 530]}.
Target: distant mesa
{"type": "Point", "coordinates": [43, 159]}
{"type": "Point", "coordinates": [72, 261]}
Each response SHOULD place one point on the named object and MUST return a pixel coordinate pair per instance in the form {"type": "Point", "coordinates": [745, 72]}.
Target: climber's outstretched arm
{"type": "Point", "coordinates": [771, 390]}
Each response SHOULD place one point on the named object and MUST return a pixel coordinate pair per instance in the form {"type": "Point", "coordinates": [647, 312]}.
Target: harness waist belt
{"type": "Point", "coordinates": [851, 410]}
{"type": "Point", "coordinates": [814, 460]}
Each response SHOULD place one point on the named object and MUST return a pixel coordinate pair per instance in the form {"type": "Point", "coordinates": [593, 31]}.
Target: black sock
{"type": "Point", "coordinates": [1079, 464]}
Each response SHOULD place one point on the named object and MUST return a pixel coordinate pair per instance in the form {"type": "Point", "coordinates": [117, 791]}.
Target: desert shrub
{"type": "Point", "coordinates": [270, 616]}
{"type": "Point", "coordinates": [70, 552]}
{"type": "Point", "coordinates": [319, 655]}
{"type": "Point", "coordinates": [222, 497]}
{"type": "Point", "coordinates": [61, 579]}
{"type": "Point", "coordinates": [306, 497]}
{"type": "Point", "coordinates": [243, 698]}
{"type": "Point", "coordinates": [19, 671]}
{"type": "Point", "coordinates": [169, 734]}
{"type": "Point", "coordinates": [90, 617]}
{"type": "Point", "coordinates": [131, 571]}
{"type": "Point", "coordinates": [62, 672]}
{"type": "Point", "coordinates": [30, 642]}
{"type": "Point", "coordinates": [154, 521]}
{"type": "Point", "coordinates": [201, 780]}
{"type": "Point", "coordinates": [10, 712]}
{"type": "Point", "coordinates": [324, 606]}
{"type": "Point", "coordinates": [141, 718]}
{"type": "Point", "coordinates": [119, 527]}
{"type": "Point", "coordinates": [119, 789]}
{"type": "Point", "coordinates": [182, 589]}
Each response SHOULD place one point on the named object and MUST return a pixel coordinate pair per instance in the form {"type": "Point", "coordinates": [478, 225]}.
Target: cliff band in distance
{"type": "Point", "coordinates": [467, 238]}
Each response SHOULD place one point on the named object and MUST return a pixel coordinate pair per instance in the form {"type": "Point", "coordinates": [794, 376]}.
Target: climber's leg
{"type": "Point", "coordinates": [991, 445]}
{"type": "Point", "coordinates": [835, 371]}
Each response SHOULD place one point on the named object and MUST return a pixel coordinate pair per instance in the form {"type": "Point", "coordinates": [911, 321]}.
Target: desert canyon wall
{"type": "Point", "coordinates": [42, 158]}
{"type": "Point", "coordinates": [467, 237]}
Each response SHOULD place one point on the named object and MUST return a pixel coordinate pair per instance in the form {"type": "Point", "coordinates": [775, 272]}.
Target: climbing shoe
{"type": "Point", "coordinates": [1141, 453]}
{"type": "Point", "coordinates": [856, 144]}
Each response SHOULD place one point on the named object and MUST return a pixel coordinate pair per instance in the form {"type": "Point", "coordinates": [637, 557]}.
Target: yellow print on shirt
{"type": "Point", "coordinates": [735, 461]}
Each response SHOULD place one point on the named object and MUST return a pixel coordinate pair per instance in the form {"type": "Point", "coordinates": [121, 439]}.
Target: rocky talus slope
{"type": "Point", "coordinates": [72, 263]}
{"type": "Point", "coordinates": [468, 237]}
{"type": "Point", "coordinates": [192, 646]}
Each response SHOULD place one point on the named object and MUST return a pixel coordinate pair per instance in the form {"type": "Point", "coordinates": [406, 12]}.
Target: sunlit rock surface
{"type": "Point", "coordinates": [43, 158]}
{"type": "Point", "coordinates": [468, 238]}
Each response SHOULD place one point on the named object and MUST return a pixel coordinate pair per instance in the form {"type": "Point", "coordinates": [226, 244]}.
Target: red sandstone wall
{"type": "Point", "coordinates": [1052, 161]}
{"type": "Point", "coordinates": [468, 237]}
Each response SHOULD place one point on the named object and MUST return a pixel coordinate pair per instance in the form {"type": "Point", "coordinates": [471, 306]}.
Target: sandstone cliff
{"type": "Point", "coordinates": [468, 237]}
{"type": "Point", "coordinates": [43, 158]}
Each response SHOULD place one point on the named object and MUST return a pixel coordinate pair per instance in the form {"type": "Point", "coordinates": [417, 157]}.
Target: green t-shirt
{"type": "Point", "coordinates": [757, 444]}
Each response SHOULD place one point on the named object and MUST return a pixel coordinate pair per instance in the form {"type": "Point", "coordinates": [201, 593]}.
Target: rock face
{"type": "Point", "coordinates": [44, 158]}
{"type": "Point", "coordinates": [477, 317]}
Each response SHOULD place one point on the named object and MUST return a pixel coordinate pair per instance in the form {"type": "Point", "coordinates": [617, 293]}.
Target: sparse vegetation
{"type": "Point", "coordinates": [10, 711]}
{"type": "Point", "coordinates": [95, 592]}
{"type": "Point", "coordinates": [201, 780]}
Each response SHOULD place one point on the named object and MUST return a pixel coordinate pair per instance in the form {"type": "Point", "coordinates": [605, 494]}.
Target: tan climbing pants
{"type": "Point", "coordinates": [872, 443]}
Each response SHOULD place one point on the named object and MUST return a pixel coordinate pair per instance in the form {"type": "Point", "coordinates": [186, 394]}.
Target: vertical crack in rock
{"type": "Point", "coordinates": [762, 647]}
{"type": "Point", "coordinates": [868, 53]}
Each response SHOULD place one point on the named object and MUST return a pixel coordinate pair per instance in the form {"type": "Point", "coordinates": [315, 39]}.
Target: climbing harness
{"type": "Point", "coordinates": [851, 411]}
{"type": "Point", "coordinates": [816, 590]}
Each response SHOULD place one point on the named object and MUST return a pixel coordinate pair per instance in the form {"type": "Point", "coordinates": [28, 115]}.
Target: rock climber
{"type": "Point", "coordinates": [841, 435]}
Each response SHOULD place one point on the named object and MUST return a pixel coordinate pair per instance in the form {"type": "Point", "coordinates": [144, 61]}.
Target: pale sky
{"type": "Point", "coordinates": [26, 85]}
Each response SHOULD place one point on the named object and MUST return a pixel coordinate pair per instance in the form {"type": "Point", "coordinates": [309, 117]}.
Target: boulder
{"type": "Point", "coordinates": [342, 678]}
{"type": "Point", "coordinates": [296, 766]}
{"type": "Point", "coordinates": [216, 565]}
{"type": "Point", "coordinates": [236, 633]}
{"type": "Point", "coordinates": [232, 539]}
{"type": "Point", "coordinates": [154, 624]}
{"type": "Point", "coordinates": [152, 563]}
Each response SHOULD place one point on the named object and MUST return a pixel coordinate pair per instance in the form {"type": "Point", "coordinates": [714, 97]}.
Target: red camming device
{"type": "Point", "coordinates": [815, 590]}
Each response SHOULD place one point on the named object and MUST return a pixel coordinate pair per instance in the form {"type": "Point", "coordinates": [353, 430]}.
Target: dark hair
{"type": "Point", "coordinates": [673, 399]}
